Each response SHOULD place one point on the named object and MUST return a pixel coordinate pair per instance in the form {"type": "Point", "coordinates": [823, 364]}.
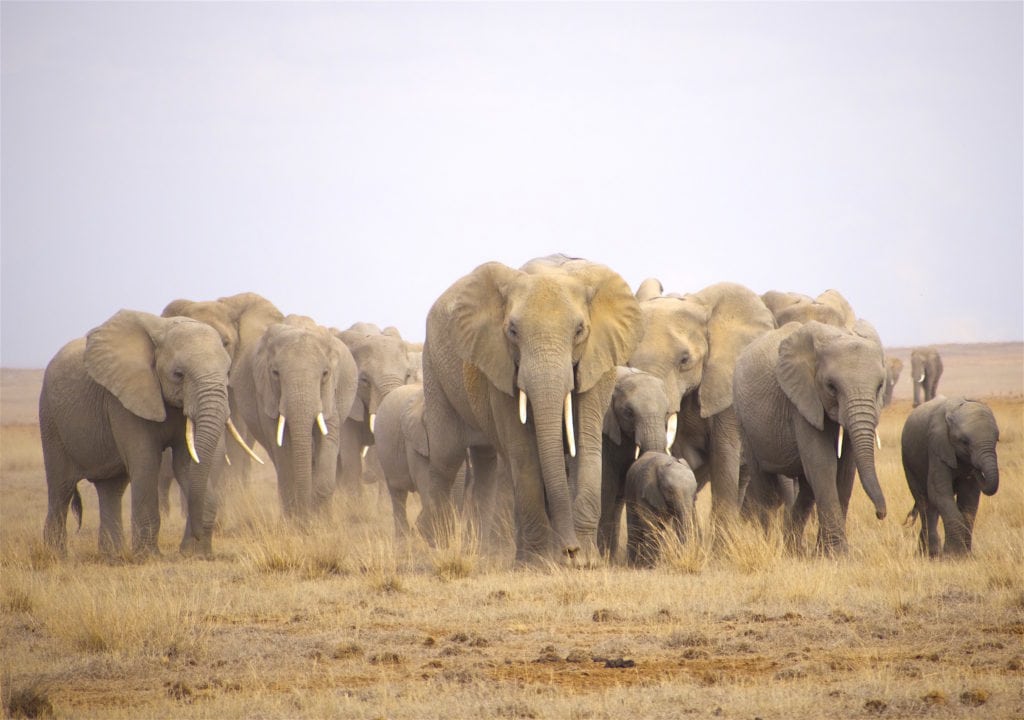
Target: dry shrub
{"type": "Point", "coordinates": [311, 553]}
{"type": "Point", "coordinates": [687, 557]}
{"type": "Point", "coordinates": [746, 547]}
{"type": "Point", "coordinates": [456, 551]}
{"type": "Point", "coordinates": [30, 700]}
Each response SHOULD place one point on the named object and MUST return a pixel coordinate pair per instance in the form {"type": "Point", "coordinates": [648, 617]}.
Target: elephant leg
{"type": "Point", "coordinates": [483, 460]}
{"type": "Point", "coordinates": [109, 492]}
{"type": "Point", "coordinates": [399, 511]}
{"type": "Point", "coordinates": [968, 496]}
{"type": "Point", "coordinates": [613, 483]}
{"type": "Point", "coordinates": [437, 517]}
{"type": "Point", "coordinates": [164, 482]}
{"type": "Point", "coordinates": [797, 515]}
{"type": "Point", "coordinates": [724, 461]}
{"type": "Point", "coordinates": [930, 530]}
{"type": "Point", "coordinates": [61, 485]}
{"type": "Point", "coordinates": [533, 532]}
{"type": "Point", "coordinates": [639, 545]}
{"type": "Point", "coordinates": [350, 465]}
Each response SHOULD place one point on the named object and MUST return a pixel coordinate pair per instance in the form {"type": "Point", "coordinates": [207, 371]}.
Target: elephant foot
{"type": "Point", "coordinates": [192, 547]}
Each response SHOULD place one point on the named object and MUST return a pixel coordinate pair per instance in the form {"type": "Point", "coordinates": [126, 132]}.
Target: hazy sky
{"type": "Point", "coordinates": [350, 161]}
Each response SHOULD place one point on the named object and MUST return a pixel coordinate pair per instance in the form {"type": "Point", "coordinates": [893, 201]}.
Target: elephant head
{"type": "Point", "coordinates": [640, 412]}
{"type": "Point", "coordinates": [893, 368]}
{"type": "Point", "coordinates": [305, 382]}
{"type": "Point", "coordinates": [926, 368]}
{"type": "Point", "coordinates": [383, 362]}
{"type": "Point", "coordinates": [966, 434]}
{"type": "Point", "coordinates": [547, 335]}
{"type": "Point", "coordinates": [827, 372]}
{"type": "Point", "coordinates": [149, 363]}
{"type": "Point", "coordinates": [692, 342]}
{"type": "Point", "coordinates": [660, 489]}
{"type": "Point", "coordinates": [829, 308]}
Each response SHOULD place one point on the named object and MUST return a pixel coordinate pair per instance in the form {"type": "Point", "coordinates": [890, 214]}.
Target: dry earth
{"type": "Point", "coordinates": [338, 622]}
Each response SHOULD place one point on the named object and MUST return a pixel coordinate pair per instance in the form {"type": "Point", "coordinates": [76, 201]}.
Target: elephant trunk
{"type": "Point", "coordinates": [546, 390]}
{"type": "Point", "coordinates": [378, 391]}
{"type": "Point", "coordinates": [295, 478]}
{"type": "Point", "coordinates": [862, 422]}
{"type": "Point", "coordinates": [649, 435]}
{"type": "Point", "coordinates": [984, 460]}
{"type": "Point", "coordinates": [208, 411]}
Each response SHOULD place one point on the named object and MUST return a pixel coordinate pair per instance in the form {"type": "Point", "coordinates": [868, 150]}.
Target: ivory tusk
{"type": "Point", "coordinates": [323, 424]}
{"type": "Point", "coordinates": [190, 439]}
{"type": "Point", "coordinates": [280, 430]}
{"type": "Point", "coordinates": [238, 438]}
{"type": "Point", "coordinates": [636, 453]}
{"type": "Point", "coordinates": [670, 434]}
{"type": "Point", "coordinates": [878, 440]}
{"type": "Point", "coordinates": [522, 407]}
{"type": "Point", "coordinates": [839, 445]}
{"type": "Point", "coordinates": [921, 379]}
{"type": "Point", "coordinates": [570, 431]}
{"type": "Point", "coordinates": [362, 453]}
{"type": "Point", "coordinates": [227, 459]}
{"type": "Point", "coordinates": [373, 422]}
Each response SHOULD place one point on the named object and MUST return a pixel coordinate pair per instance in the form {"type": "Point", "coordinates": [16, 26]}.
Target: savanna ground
{"type": "Point", "coordinates": [337, 622]}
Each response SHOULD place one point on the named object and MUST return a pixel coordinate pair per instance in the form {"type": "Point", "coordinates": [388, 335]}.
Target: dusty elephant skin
{"type": "Point", "coordinates": [111, 402]}
{"type": "Point", "coordinates": [796, 390]}
{"type": "Point", "coordinates": [660, 493]}
{"type": "Point", "coordinates": [926, 369]}
{"type": "Point", "coordinates": [294, 389]}
{"type": "Point", "coordinates": [402, 448]}
{"type": "Point", "coordinates": [522, 362]}
{"type": "Point", "coordinates": [949, 457]}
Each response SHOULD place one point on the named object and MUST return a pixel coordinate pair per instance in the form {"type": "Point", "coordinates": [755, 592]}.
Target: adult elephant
{"type": "Point", "coordinates": [949, 457]}
{"type": "Point", "coordinates": [893, 368]}
{"type": "Point", "coordinates": [240, 321]}
{"type": "Point", "coordinates": [796, 389]}
{"type": "Point", "coordinates": [691, 343]}
{"type": "Point", "coordinates": [639, 420]}
{"type": "Point", "coordinates": [383, 362]}
{"type": "Point", "coordinates": [294, 388]}
{"type": "Point", "coordinates": [926, 369]}
{"type": "Point", "coordinates": [111, 402]}
{"type": "Point", "coordinates": [522, 363]}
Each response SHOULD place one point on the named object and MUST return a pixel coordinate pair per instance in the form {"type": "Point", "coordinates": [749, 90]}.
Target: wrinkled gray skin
{"type": "Point", "coordinates": [383, 361]}
{"type": "Point", "coordinates": [893, 368]}
{"type": "Point", "coordinates": [691, 343]}
{"type": "Point", "coordinates": [636, 422]}
{"type": "Point", "coordinates": [949, 457]}
{"type": "Point", "coordinates": [793, 389]}
{"type": "Point", "coordinates": [297, 370]}
{"type": "Point", "coordinates": [402, 448]}
{"type": "Point", "coordinates": [925, 369]}
{"type": "Point", "coordinates": [830, 308]}
{"type": "Point", "coordinates": [660, 495]}
{"type": "Point", "coordinates": [557, 327]}
{"type": "Point", "coordinates": [111, 402]}
{"type": "Point", "coordinates": [240, 321]}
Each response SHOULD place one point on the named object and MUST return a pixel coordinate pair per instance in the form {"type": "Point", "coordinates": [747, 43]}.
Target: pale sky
{"type": "Point", "coordinates": [350, 161]}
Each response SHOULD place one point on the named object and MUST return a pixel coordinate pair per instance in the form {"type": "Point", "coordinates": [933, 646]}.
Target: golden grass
{"type": "Point", "coordinates": [339, 620]}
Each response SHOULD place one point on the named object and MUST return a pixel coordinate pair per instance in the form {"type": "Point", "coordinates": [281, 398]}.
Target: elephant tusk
{"type": "Point", "coordinates": [878, 440]}
{"type": "Point", "coordinates": [190, 439]}
{"type": "Point", "coordinates": [570, 431]}
{"type": "Point", "coordinates": [839, 445]}
{"type": "Point", "coordinates": [323, 424]}
{"type": "Point", "coordinates": [238, 438]}
{"type": "Point", "coordinates": [373, 422]}
{"type": "Point", "coordinates": [522, 407]}
{"type": "Point", "coordinates": [921, 379]}
{"type": "Point", "coordinates": [636, 453]}
{"type": "Point", "coordinates": [670, 434]}
{"type": "Point", "coordinates": [227, 459]}
{"type": "Point", "coordinates": [366, 449]}
{"type": "Point", "coordinates": [280, 430]}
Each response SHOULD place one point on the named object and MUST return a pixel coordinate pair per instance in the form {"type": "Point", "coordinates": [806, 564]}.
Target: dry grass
{"type": "Point", "coordinates": [339, 620]}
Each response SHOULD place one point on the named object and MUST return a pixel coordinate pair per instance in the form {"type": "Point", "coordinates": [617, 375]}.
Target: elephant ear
{"type": "Point", "coordinates": [835, 300]}
{"type": "Point", "coordinates": [175, 308]}
{"type": "Point", "coordinates": [940, 429]}
{"type": "Point", "coordinates": [652, 495]}
{"type": "Point", "coordinates": [616, 322]}
{"type": "Point", "coordinates": [478, 315]}
{"type": "Point", "coordinates": [252, 313]}
{"type": "Point", "coordinates": [796, 370]}
{"type": "Point", "coordinates": [650, 288]}
{"type": "Point", "coordinates": [391, 331]}
{"type": "Point", "coordinates": [413, 429]}
{"type": "Point", "coordinates": [345, 376]}
{"type": "Point", "coordinates": [736, 317]}
{"type": "Point", "coordinates": [261, 355]}
{"type": "Point", "coordinates": [120, 355]}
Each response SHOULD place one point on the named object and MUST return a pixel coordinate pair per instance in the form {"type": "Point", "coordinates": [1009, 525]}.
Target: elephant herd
{"type": "Point", "coordinates": [551, 390]}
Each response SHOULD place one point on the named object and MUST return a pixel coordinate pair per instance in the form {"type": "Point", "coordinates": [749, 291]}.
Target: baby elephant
{"type": "Point", "coordinates": [949, 457]}
{"type": "Point", "coordinates": [660, 494]}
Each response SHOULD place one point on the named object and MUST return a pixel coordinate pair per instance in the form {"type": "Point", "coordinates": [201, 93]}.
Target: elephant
{"type": "Point", "coordinates": [949, 458]}
{"type": "Point", "coordinates": [830, 308]}
{"type": "Point", "coordinates": [402, 447]}
{"type": "Point", "coordinates": [893, 368]}
{"type": "Point", "coordinates": [795, 391]}
{"type": "Point", "coordinates": [691, 343]}
{"type": "Point", "coordinates": [660, 494]}
{"type": "Point", "coordinates": [638, 420]}
{"type": "Point", "coordinates": [521, 364]}
{"type": "Point", "coordinates": [240, 320]}
{"type": "Point", "coordinates": [383, 362]}
{"type": "Point", "coordinates": [926, 369]}
{"type": "Point", "coordinates": [109, 405]}
{"type": "Point", "coordinates": [296, 378]}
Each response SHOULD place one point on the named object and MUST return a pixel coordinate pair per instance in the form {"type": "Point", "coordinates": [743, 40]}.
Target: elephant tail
{"type": "Point", "coordinates": [76, 506]}
{"type": "Point", "coordinates": [912, 516]}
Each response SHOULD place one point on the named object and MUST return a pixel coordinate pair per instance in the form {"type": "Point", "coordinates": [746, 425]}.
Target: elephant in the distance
{"type": "Point", "coordinates": [926, 369]}
{"type": "Point", "coordinates": [521, 364]}
{"type": "Point", "coordinates": [796, 390]}
{"type": "Point", "coordinates": [949, 458]}
{"type": "Point", "coordinates": [639, 419]}
{"type": "Point", "coordinates": [294, 388]}
{"type": "Point", "coordinates": [112, 402]}
{"type": "Point", "coordinates": [240, 321]}
{"type": "Point", "coordinates": [691, 343]}
{"type": "Point", "coordinates": [893, 368]}
{"type": "Point", "coordinates": [660, 495]}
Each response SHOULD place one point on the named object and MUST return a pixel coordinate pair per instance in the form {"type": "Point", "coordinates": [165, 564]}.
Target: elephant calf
{"type": "Point", "coordinates": [949, 457]}
{"type": "Point", "coordinates": [660, 495]}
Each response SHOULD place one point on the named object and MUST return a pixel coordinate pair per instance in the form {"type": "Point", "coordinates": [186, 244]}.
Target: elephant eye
{"type": "Point", "coordinates": [831, 387]}
{"type": "Point", "coordinates": [579, 330]}
{"type": "Point", "coordinates": [684, 359]}
{"type": "Point", "coordinates": [512, 332]}
{"type": "Point", "coordinates": [178, 375]}
{"type": "Point", "coordinates": [275, 373]}
{"type": "Point", "coordinates": [323, 375]}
